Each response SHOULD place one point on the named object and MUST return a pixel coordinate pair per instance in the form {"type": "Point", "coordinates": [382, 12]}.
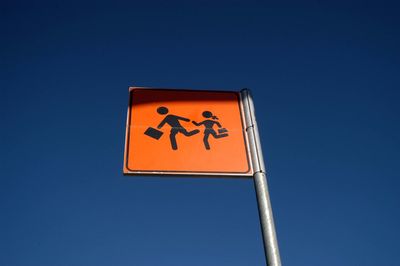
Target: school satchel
{"type": "Point", "coordinates": [153, 133]}
{"type": "Point", "coordinates": [222, 130]}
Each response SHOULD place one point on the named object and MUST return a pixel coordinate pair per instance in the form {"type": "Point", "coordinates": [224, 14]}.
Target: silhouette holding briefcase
{"type": "Point", "coordinates": [173, 122]}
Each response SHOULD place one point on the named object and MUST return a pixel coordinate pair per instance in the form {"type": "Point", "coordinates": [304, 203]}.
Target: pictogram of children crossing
{"type": "Point", "coordinates": [175, 127]}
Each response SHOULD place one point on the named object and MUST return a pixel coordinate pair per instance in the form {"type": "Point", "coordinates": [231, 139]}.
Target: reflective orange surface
{"type": "Point", "coordinates": [162, 137]}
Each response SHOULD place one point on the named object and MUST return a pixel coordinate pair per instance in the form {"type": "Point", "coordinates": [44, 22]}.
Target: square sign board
{"type": "Point", "coordinates": [186, 132]}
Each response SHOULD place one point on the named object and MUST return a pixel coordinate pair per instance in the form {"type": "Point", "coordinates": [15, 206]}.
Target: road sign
{"type": "Point", "coordinates": [190, 132]}
{"type": "Point", "coordinates": [186, 132]}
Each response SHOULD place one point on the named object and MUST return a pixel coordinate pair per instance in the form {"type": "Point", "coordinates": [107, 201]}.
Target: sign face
{"type": "Point", "coordinates": [186, 132]}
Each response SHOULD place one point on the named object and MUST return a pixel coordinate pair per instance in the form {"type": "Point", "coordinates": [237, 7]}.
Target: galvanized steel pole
{"type": "Point", "coordinates": [260, 181]}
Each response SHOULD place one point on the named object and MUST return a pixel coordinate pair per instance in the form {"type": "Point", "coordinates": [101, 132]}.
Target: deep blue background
{"type": "Point", "coordinates": [325, 76]}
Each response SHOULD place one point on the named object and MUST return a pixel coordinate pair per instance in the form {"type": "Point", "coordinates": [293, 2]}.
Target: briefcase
{"type": "Point", "coordinates": [153, 133]}
{"type": "Point", "coordinates": [222, 130]}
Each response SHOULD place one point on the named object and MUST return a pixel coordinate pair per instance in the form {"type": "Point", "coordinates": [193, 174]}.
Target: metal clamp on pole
{"type": "Point", "coordinates": [260, 181]}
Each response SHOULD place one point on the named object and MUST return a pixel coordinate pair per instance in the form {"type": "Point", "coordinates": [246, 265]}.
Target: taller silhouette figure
{"type": "Point", "coordinates": [176, 127]}
{"type": "Point", "coordinates": [208, 128]}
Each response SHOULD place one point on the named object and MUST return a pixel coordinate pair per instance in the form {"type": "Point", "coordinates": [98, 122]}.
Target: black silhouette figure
{"type": "Point", "coordinates": [176, 127]}
{"type": "Point", "coordinates": [208, 124]}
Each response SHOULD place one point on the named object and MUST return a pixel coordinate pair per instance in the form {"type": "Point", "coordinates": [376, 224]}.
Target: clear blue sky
{"type": "Point", "coordinates": [325, 76]}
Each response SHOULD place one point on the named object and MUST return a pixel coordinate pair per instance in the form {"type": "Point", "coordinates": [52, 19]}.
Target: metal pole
{"type": "Point", "coordinates": [260, 182]}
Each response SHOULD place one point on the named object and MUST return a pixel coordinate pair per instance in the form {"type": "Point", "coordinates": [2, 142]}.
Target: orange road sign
{"type": "Point", "coordinates": [186, 132]}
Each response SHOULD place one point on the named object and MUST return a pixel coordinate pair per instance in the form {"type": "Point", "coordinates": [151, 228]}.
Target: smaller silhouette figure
{"type": "Point", "coordinates": [176, 127]}
{"type": "Point", "coordinates": [208, 128]}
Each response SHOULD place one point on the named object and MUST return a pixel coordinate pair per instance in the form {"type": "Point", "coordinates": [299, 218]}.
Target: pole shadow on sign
{"type": "Point", "coordinates": [174, 122]}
